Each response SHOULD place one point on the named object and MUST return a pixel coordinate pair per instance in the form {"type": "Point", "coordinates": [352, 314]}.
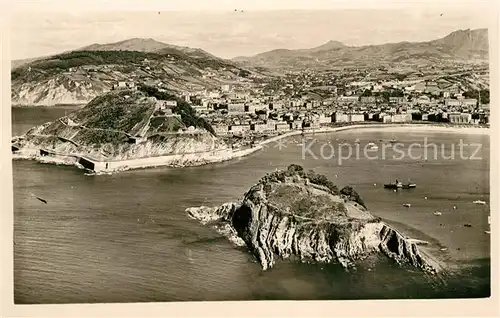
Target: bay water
{"type": "Point", "coordinates": [127, 238]}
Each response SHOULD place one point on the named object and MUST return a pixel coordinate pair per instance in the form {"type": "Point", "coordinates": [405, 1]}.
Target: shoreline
{"type": "Point", "coordinates": [384, 127]}
{"type": "Point", "coordinates": [49, 106]}
{"type": "Point", "coordinates": [189, 160]}
{"type": "Point", "coordinates": [109, 167]}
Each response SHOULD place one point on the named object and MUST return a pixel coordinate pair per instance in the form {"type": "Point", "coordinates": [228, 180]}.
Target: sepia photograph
{"type": "Point", "coordinates": [251, 154]}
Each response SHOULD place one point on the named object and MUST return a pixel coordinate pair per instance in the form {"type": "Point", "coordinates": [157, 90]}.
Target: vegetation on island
{"type": "Point", "coordinates": [314, 178]}
{"type": "Point", "coordinates": [297, 170]}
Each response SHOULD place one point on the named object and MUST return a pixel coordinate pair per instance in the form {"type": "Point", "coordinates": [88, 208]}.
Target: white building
{"type": "Point", "coordinates": [342, 118]}
{"type": "Point", "coordinates": [357, 117]}
{"type": "Point", "coordinates": [282, 126]}
{"type": "Point", "coordinates": [239, 128]}
{"type": "Point", "coordinates": [401, 118]}
{"type": "Point", "coordinates": [324, 119]}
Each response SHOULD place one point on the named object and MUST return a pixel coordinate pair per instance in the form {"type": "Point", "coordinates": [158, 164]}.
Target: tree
{"type": "Point", "coordinates": [485, 95]}
{"type": "Point", "coordinates": [188, 114]}
{"type": "Point", "coordinates": [366, 92]}
{"type": "Point", "coordinates": [244, 73]}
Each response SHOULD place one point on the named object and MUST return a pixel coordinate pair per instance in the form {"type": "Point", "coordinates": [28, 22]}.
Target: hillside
{"type": "Point", "coordinates": [134, 44]}
{"type": "Point", "coordinates": [123, 125]}
{"type": "Point", "coordinates": [461, 45]}
{"type": "Point", "coordinates": [78, 76]}
{"type": "Point", "coordinates": [148, 46]}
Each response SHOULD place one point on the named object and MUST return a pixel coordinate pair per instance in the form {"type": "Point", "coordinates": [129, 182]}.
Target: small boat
{"type": "Point", "coordinates": [407, 205]}
{"type": "Point", "coordinates": [400, 185]}
{"type": "Point", "coordinates": [468, 225]}
{"type": "Point", "coordinates": [437, 213]}
{"type": "Point", "coordinates": [356, 141]}
{"type": "Point", "coordinates": [393, 140]}
{"type": "Point", "coordinates": [393, 185]}
{"type": "Point", "coordinates": [372, 146]}
{"type": "Point", "coordinates": [479, 202]}
{"type": "Point", "coordinates": [487, 232]}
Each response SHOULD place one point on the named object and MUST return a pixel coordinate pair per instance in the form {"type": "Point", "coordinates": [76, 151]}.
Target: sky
{"type": "Point", "coordinates": [228, 33]}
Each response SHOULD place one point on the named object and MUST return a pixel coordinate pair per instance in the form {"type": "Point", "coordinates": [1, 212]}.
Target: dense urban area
{"type": "Point", "coordinates": [256, 106]}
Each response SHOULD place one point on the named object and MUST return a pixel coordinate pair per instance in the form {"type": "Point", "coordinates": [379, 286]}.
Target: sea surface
{"type": "Point", "coordinates": [127, 238]}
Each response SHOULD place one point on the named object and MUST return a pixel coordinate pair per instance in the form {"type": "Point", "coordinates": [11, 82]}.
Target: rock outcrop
{"type": "Point", "coordinates": [56, 90]}
{"type": "Point", "coordinates": [293, 214]}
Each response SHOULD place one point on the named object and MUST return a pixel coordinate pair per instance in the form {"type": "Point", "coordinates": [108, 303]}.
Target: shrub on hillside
{"type": "Point", "coordinates": [352, 195]}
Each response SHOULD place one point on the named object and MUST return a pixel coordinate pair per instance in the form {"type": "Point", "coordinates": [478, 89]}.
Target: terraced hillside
{"type": "Point", "coordinates": [77, 77]}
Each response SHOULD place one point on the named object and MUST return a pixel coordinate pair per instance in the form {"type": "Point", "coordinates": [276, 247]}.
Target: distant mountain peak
{"type": "Point", "coordinates": [140, 40]}
{"type": "Point", "coordinates": [330, 45]}
{"type": "Point", "coordinates": [147, 45]}
{"type": "Point", "coordinates": [133, 44]}
{"type": "Point", "coordinates": [334, 42]}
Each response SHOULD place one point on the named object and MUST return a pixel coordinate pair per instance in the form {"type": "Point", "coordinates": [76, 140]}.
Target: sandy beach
{"type": "Point", "coordinates": [388, 128]}
{"type": "Point", "coordinates": [423, 128]}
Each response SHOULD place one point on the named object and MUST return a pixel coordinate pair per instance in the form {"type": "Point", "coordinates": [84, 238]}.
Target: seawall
{"type": "Point", "coordinates": [99, 166]}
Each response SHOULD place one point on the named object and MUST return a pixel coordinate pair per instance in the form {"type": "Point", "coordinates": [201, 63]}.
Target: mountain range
{"type": "Point", "coordinates": [461, 45]}
{"type": "Point", "coordinates": [76, 76]}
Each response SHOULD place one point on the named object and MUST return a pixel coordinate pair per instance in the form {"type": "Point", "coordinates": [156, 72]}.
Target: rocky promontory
{"type": "Point", "coordinates": [125, 129]}
{"type": "Point", "coordinates": [294, 214]}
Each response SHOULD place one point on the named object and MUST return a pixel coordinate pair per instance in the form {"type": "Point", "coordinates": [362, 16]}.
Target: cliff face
{"type": "Point", "coordinates": [54, 91]}
{"type": "Point", "coordinates": [287, 216]}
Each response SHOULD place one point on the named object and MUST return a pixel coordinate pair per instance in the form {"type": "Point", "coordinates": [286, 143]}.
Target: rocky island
{"type": "Point", "coordinates": [294, 214]}
{"type": "Point", "coordinates": [126, 129]}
